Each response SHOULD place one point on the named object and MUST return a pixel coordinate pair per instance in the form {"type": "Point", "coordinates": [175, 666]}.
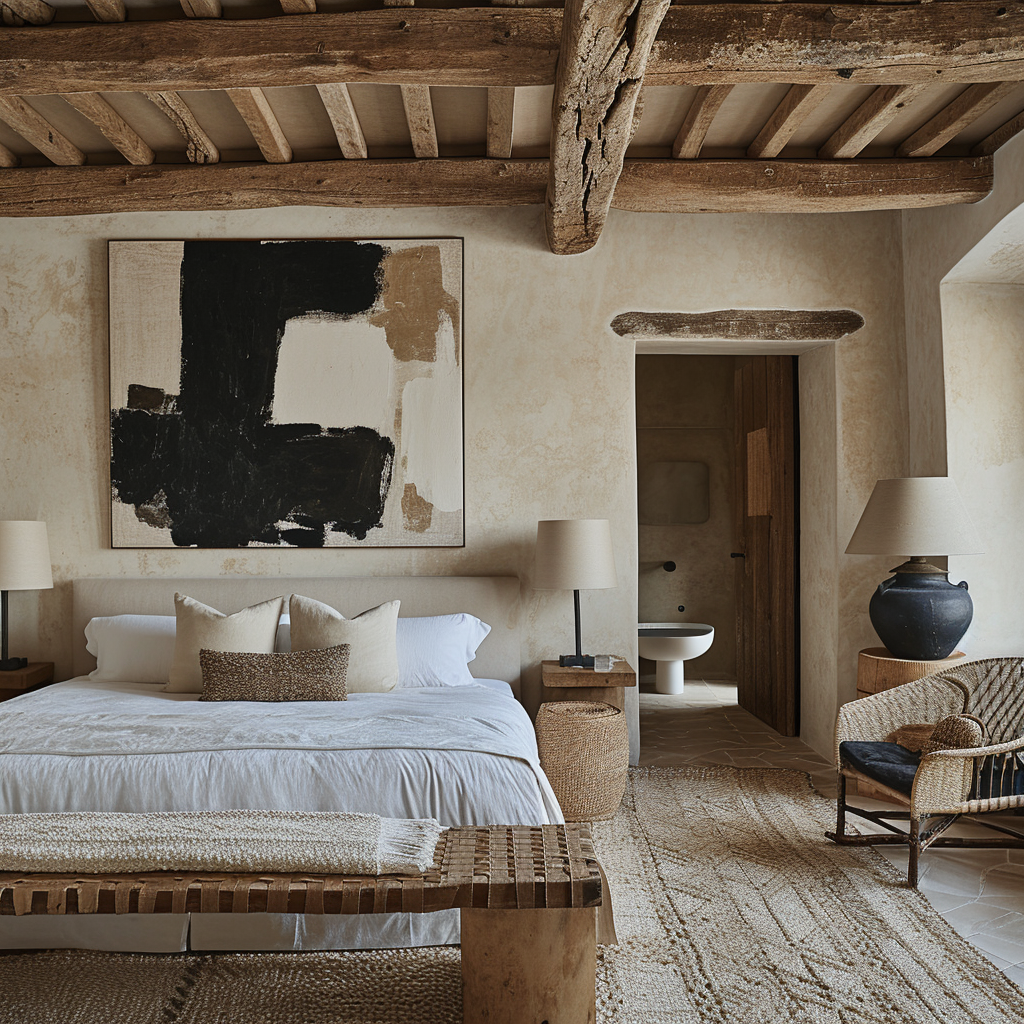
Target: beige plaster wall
{"type": "Point", "coordinates": [549, 408]}
{"type": "Point", "coordinates": [684, 413]}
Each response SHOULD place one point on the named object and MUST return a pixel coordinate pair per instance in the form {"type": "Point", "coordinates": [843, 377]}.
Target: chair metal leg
{"type": "Point", "coordinates": [915, 851]}
{"type": "Point", "coordinates": [841, 806]}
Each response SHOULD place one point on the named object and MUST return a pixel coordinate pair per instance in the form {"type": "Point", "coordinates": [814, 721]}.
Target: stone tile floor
{"type": "Point", "coordinates": [979, 892]}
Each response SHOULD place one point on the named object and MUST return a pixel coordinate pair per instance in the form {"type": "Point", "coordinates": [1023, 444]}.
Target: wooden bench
{"type": "Point", "coordinates": [527, 895]}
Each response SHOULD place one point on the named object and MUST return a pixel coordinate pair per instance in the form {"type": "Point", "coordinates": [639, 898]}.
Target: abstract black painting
{"type": "Point", "coordinates": [286, 393]}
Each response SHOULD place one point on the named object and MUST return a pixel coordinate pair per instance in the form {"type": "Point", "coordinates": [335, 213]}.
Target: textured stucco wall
{"type": "Point", "coordinates": [549, 406]}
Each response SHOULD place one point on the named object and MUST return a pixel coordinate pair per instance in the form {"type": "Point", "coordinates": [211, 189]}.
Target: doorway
{"type": "Point", "coordinates": [717, 522]}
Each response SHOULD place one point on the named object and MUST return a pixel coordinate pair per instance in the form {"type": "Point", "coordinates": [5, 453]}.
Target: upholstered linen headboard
{"type": "Point", "coordinates": [495, 599]}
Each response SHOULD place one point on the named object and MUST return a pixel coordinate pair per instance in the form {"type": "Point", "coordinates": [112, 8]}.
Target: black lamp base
{"type": "Point", "coordinates": [13, 664]}
{"type": "Point", "coordinates": [576, 661]}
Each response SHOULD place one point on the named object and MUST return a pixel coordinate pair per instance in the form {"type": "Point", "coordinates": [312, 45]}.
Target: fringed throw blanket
{"type": "Point", "coordinates": [319, 842]}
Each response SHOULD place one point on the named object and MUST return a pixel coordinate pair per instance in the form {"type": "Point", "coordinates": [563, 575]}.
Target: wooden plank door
{"type": "Point", "coordinates": [766, 532]}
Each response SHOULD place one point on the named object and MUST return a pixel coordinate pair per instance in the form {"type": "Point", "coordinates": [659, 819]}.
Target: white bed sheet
{"type": "Point", "coordinates": [464, 755]}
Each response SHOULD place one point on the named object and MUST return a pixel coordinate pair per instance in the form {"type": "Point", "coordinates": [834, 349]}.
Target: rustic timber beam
{"type": "Point", "coordinates": [199, 147]}
{"type": "Point", "coordinates": [797, 105]}
{"type": "Point", "coordinates": [26, 12]}
{"type": "Point", "coordinates": [605, 45]}
{"type": "Point", "coordinates": [697, 122]}
{"type": "Point", "coordinates": [107, 10]}
{"type": "Point", "coordinates": [201, 8]}
{"type": "Point", "coordinates": [262, 122]}
{"type": "Point", "coordinates": [501, 104]}
{"type": "Point", "coordinates": [740, 324]}
{"type": "Point", "coordinates": [419, 115]}
{"type": "Point", "coordinates": [868, 120]}
{"type": "Point", "coordinates": [953, 118]}
{"type": "Point", "coordinates": [114, 128]}
{"type": "Point", "coordinates": [965, 41]}
{"type": "Point", "coordinates": [1000, 136]}
{"type": "Point", "coordinates": [338, 104]}
{"type": "Point", "coordinates": [298, 6]}
{"type": "Point", "coordinates": [667, 186]}
{"type": "Point", "coordinates": [8, 158]}
{"type": "Point", "coordinates": [37, 130]}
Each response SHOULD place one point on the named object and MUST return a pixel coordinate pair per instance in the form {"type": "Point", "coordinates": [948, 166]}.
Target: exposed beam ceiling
{"type": "Point", "coordinates": [669, 186]}
{"type": "Point", "coordinates": [968, 41]}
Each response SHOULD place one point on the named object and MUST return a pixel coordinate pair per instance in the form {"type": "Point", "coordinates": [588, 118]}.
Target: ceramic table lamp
{"type": "Point", "coordinates": [575, 554]}
{"type": "Point", "coordinates": [24, 565]}
{"type": "Point", "coordinates": [917, 613]}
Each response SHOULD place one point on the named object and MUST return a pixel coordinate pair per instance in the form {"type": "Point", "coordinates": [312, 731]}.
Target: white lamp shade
{"type": "Point", "coordinates": [24, 556]}
{"type": "Point", "coordinates": [575, 554]}
{"type": "Point", "coordinates": [915, 516]}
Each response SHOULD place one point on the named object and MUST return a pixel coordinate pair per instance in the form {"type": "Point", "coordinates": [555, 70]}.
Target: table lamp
{"type": "Point", "coordinates": [24, 565]}
{"type": "Point", "coordinates": [917, 613]}
{"type": "Point", "coordinates": [575, 554]}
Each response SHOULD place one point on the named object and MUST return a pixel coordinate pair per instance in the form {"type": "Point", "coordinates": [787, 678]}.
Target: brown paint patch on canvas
{"type": "Point", "coordinates": [416, 511]}
{"type": "Point", "coordinates": [413, 299]}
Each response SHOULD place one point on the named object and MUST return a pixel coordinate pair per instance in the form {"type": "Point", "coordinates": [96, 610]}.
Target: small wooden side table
{"type": "Point", "coordinates": [24, 680]}
{"type": "Point", "coordinates": [559, 683]}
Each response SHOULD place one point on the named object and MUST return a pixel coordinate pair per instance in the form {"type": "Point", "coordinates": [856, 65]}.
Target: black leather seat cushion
{"type": "Point", "coordinates": [889, 763]}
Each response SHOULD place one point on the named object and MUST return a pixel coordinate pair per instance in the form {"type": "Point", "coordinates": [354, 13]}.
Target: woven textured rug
{"type": "Point", "coordinates": [730, 906]}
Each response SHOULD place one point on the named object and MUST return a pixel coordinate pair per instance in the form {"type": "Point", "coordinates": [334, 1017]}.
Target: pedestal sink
{"type": "Point", "coordinates": [670, 644]}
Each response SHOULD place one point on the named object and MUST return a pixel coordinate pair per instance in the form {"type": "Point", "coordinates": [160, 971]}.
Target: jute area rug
{"type": "Point", "coordinates": [730, 906]}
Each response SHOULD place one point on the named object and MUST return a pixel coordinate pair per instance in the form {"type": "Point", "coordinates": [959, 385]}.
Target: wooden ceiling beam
{"type": "Point", "coordinates": [114, 128]}
{"type": "Point", "coordinates": [697, 123]}
{"type": "Point", "coordinates": [797, 105]}
{"type": "Point", "coordinates": [667, 186]}
{"type": "Point", "coordinates": [864, 124]}
{"type": "Point", "coordinates": [338, 104]}
{"type": "Point", "coordinates": [298, 6]}
{"type": "Point", "coordinates": [199, 147]}
{"type": "Point", "coordinates": [36, 130]}
{"type": "Point", "coordinates": [26, 12]}
{"type": "Point", "coordinates": [954, 118]}
{"type": "Point", "coordinates": [501, 104]}
{"type": "Point", "coordinates": [201, 8]}
{"type": "Point", "coordinates": [1000, 136]}
{"type": "Point", "coordinates": [419, 114]}
{"type": "Point", "coordinates": [605, 46]}
{"type": "Point", "coordinates": [966, 41]}
{"type": "Point", "coordinates": [110, 11]}
{"type": "Point", "coordinates": [8, 158]}
{"type": "Point", "coordinates": [262, 122]}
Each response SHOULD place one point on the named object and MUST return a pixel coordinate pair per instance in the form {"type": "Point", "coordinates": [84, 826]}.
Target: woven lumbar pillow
{"type": "Point", "coordinates": [371, 637]}
{"type": "Point", "coordinates": [955, 732]}
{"type": "Point", "coordinates": [200, 627]}
{"type": "Point", "coordinates": [304, 675]}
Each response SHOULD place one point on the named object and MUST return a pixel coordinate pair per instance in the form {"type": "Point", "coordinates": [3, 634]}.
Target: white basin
{"type": "Point", "coordinates": [671, 644]}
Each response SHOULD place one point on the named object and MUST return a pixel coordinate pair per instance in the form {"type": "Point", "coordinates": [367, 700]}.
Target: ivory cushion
{"type": "Point", "coordinates": [371, 637]}
{"type": "Point", "coordinates": [199, 627]}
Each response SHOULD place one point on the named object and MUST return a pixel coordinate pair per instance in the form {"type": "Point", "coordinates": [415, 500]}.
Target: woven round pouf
{"type": "Point", "coordinates": [584, 751]}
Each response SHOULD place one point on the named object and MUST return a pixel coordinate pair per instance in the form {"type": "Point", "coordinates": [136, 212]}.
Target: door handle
{"type": "Point", "coordinates": [737, 554]}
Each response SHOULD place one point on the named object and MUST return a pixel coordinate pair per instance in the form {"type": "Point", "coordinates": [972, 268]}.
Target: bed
{"type": "Point", "coordinates": [465, 755]}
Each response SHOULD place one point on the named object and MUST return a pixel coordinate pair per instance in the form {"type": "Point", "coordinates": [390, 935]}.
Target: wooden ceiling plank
{"type": "Point", "coordinates": [262, 122]}
{"type": "Point", "coordinates": [338, 104]}
{"type": "Point", "coordinates": [864, 124]}
{"type": "Point", "coordinates": [107, 10]}
{"type": "Point", "coordinates": [697, 123]}
{"type": "Point", "coordinates": [199, 147]}
{"type": "Point", "coordinates": [36, 130]}
{"type": "Point", "coordinates": [701, 44]}
{"type": "Point", "coordinates": [8, 158]}
{"type": "Point", "coordinates": [201, 8]}
{"type": "Point", "coordinates": [1000, 136]}
{"type": "Point", "coordinates": [26, 12]}
{"type": "Point", "coordinates": [114, 128]}
{"type": "Point", "coordinates": [501, 104]}
{"type": "Point", "coordinates": [797, 105]}
{"type": "Point", "coordinates": [955, 117]}
{"type": "Point", "coordinates": [298, 6]}
{"type": "Point", "coordinates": [419, 112]}
{"type": "Point", "coordinates": [670, 186]}
{"type": "Point", "coordinates": [604, 51]}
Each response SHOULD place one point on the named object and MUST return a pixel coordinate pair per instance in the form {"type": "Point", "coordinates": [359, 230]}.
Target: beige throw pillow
{"type": "Point", "coordinates": [198, 627]}
{"type": "Point", "coordinates": [371, 637]}
{"type": "Point", "coordinates": [302, 675]}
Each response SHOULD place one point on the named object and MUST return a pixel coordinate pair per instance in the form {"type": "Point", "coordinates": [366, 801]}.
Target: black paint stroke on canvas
{"type": "Point", "coordinates": [207, 462]}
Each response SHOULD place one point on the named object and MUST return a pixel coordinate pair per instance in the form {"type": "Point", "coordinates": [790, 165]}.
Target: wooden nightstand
{"type": "Point", "coordinates": [23, 680]}
{"type": "Point", "coordinates": [559, 683]}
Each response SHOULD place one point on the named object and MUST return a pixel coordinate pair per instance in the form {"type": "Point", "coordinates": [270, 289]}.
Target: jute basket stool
{"type": "Point", "coordinates": [584, 751]}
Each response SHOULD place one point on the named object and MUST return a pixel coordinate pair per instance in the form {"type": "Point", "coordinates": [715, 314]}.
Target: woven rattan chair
{"type": "Point", "coordinates": [947, 784]}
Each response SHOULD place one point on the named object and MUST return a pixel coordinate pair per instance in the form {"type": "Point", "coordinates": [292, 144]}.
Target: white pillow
{"type": "Point", "coordinates": [200, 627]}
{"type": "Point", "coordinates": [373, 652]}
{"type": "Point", "coordinates": [131, 648]}
{"type": "Point", "coordinates": [435, 650]}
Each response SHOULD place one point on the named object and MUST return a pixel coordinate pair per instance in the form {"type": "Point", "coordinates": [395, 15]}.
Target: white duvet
{"type": "Point", "coordinates": [463, 755]}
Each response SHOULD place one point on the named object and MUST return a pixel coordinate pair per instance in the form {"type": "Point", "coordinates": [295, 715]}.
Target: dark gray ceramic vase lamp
{"type": "Point", "coordinates": [917, 613]}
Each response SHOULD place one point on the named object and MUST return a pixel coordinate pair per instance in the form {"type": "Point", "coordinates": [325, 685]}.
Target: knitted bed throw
{"type": "Point", "coordinates": [317, 842]}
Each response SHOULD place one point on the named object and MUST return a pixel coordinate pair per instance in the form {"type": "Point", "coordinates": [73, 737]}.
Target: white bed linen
{"type": "Point", "coordinates": [465, 755]}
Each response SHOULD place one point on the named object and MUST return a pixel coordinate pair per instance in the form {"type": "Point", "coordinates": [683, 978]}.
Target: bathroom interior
{"type": "Point", "coordinates": [697, 470]}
